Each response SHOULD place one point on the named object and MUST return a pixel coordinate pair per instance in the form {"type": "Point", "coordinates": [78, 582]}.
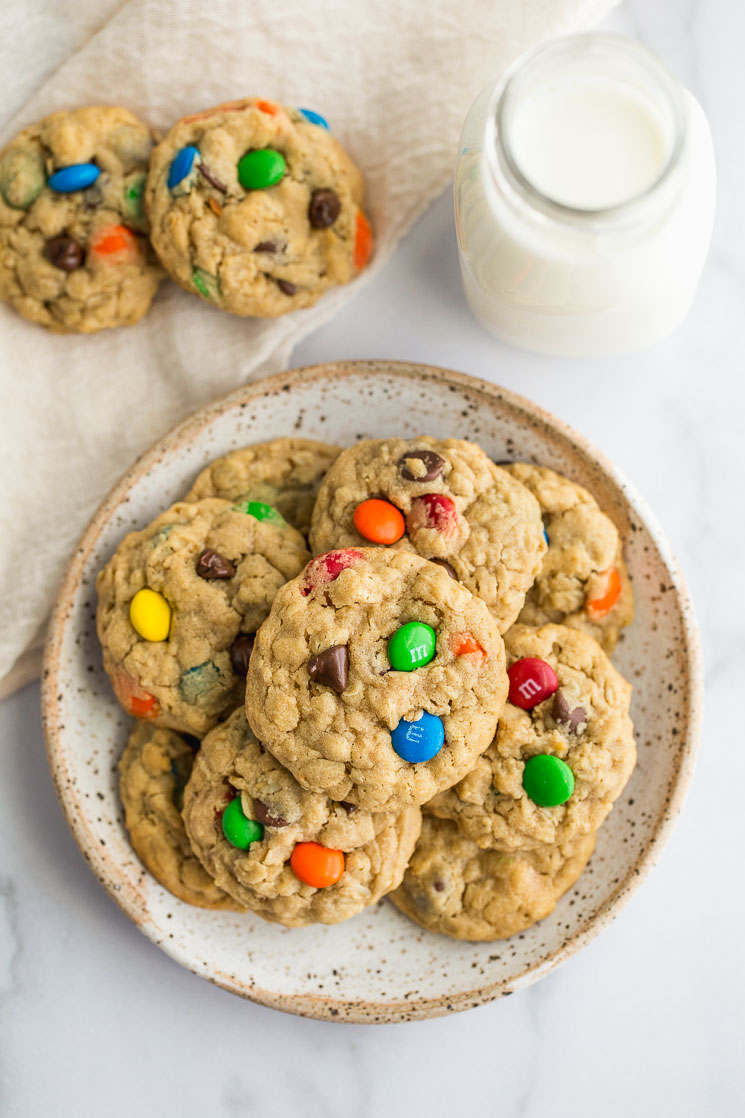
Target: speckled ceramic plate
{"type": "Point", "coordinates": [377, 966]}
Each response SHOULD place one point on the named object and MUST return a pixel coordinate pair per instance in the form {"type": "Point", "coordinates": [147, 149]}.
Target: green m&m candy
{"type": "Point", "coordinates": [259, 169]}
{"type": "Point", "coordinates": [206, 284]}
{"type": "Point", "coordinates": [412, 646]}
{"type": "Point", "coordinates": [133, 190]}
{"type": "Point", "coordinates": [259, 511]}
{"type": "Point", "coordinates": [548, 780]}
{"type": "Point", "coordinates": [238, 829]}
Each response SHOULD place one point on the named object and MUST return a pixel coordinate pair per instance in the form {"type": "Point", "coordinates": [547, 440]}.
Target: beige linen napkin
{"type": "Point", "coordinates": [393, 77]}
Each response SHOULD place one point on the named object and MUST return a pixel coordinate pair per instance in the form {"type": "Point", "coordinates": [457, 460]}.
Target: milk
{"type": "Point", "coordinates": [589, 143]}
{"type": "Point", "coordinates": [584, 199]}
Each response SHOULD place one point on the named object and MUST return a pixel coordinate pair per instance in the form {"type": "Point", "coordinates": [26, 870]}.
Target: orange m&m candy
{"type": "Point", "coordinates": [465, 644]}
{"type": "Point", "coordinates": [379, 521]}
{"type": "Point", "coordinates": [135, 699]}
{"type": "Point", "coordinates": [144, 705]}
{"type": "Point", "coordinates": [362, 241]}
{"type": "Point", "coordinates": [114, 240]}
{"type": "Point", "coordinates": [599, 607]}
{"type": "Point", "coordinates": [268, 107]}
{"type": "Point", "coordinates": [316, 865]}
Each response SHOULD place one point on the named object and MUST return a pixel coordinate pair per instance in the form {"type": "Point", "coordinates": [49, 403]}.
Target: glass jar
{"type": "Point", "coordinates": [584, 199]}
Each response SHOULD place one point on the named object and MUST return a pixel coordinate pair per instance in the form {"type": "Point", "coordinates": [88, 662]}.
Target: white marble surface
{"type": "Point", "coordinates": [648, 1020]}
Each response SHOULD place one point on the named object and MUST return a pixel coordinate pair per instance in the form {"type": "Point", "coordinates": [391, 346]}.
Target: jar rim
{"type": "Point", "coordinates": [500, 156]}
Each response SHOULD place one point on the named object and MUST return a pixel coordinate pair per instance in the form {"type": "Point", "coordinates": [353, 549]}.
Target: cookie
{"type": "Point", "coordinates": [445, 500]}
{"type": "Point", "coordinates": [285, 473]}
{"type": "Point", "coordinates": [583, 581]}
{"type": "Point", "coordinates": [377, 678]}
{"type": "Point", "coordinates": [453, 887]}
{"type": "Point", "coordinates": [563, 750]}
{"type": "Point", "coordinates": [74, 254]}
{"type": "Point", "coordinates": [153, 772]}
{"type": "Point", "coordinates": [178, 602]}
{"type": "Point", "coordinates": [301, 858]}
{"type": "Point", "coordinates": [256, 208]}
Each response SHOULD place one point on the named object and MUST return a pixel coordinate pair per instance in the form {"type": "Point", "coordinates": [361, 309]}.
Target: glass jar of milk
{"type": "Point", "coordinates": [584, 199]}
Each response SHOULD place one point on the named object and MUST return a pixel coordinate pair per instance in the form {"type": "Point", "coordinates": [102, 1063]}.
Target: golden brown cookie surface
{"type": "Point", "coordinates": [454, 887]}
{"type": "Point", "coordinates": [585, 723]}
{"type": "Point", "coordinates": [153, 772]}
{"type": "Point", "coordinates": [583, 581]}
{"type": "Point", "coordinates": [375, 848]}
{"type": "Point", "coordinates": [216, 568]}
{"type": "Point", "coordinates": [322, 692]}
{"type": "Point", "coordinates": [284, 472]}
{"type": "Point", "coordinates": [458, 508]}
{"type": "Point", "coordinates": [255, 208]}
{"type": "Point", "coordinates": [74, 254]}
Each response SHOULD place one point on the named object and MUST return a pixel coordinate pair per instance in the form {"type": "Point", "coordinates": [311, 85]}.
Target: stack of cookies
{"type": "Point", "coordinates": [381, 670]}
{"type": "Point", "coordinates": [252, 206]}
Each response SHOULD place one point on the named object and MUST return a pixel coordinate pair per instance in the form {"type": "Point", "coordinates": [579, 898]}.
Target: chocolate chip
{"type": "Point", "coordinates": [65, 253]}
{"type": "Point", "coordinates": [560, 707]}
{"type": "Point", "coordinates": [212, 178]}
{"type": "Point", "coordinates": [263, 815]}
{"type": "Point", "coordinates": [330, 667]}
{"type": "Point", "coordinates": [577, 718]}
{"type": "Point", "coordinates": [439, 886]}
{"type": "Point", "coordinates": [211, 564]}
{"type": "Point", "coordinates": [286, 287]}
{"type": "Point", "coordinates": [265, 246]}
{"type": "Point", "coordinates": [240, 653]}
{"type": "Point", "coordinates": [561, 711]}
{"type": "Point", "coordinates": [349, 808]}
{"type": "Point", "coordinates": [433, 465]}
{"type": "Point", "coordinates": [323, 209]}
{"type": "Point", "coordinates": [446, 566]}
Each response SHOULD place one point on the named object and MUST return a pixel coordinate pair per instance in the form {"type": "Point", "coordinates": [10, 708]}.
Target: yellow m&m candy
{"type": "Point", "coordinates": [150, 615]}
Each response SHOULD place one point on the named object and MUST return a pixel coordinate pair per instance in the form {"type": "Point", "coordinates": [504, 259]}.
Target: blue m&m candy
{"type": "Point", "coordinates": [545, 536]}
{"type": "Point", "coordinates": [183, 168]}
{"type": "Point", "coordinates": [419, 741]}
{"type": "Point", "coordinates": [78, 176]}
{"type": "Point", "coordinates": [315, 118]}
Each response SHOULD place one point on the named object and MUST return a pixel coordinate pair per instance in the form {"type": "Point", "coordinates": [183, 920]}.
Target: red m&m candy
{"type": "Point", "coordinates": [325, 568]}
{"type": "Point", "coordinates": [432, 510]}
{"type": "Point", "coordinates": [531, 681]}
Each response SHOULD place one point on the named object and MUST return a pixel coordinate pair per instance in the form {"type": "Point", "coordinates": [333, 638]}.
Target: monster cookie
{"type": "Point", "coordinates": [443, 499]}
{"type": "Point", "coordinates": [256, 208]}
{"type": "Point", "coordinates": [292, 856]}
{"type": "Point", "coordinates": [562, 753]}
{"type": "Point", "coordinates": [583, 580]}
{"type": "Point", "coordinates": [73, 250]}
{"type": "Point", "coordinates": [285, 473]}
{"type": "Point", "coordinates": [377, 678]}
{"type": "Point", "coordinates": [454, 887]}
{"type": "Point", "coordinates": [153, 772]}
{"type": "Point", "coordinates": [179, 602]}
